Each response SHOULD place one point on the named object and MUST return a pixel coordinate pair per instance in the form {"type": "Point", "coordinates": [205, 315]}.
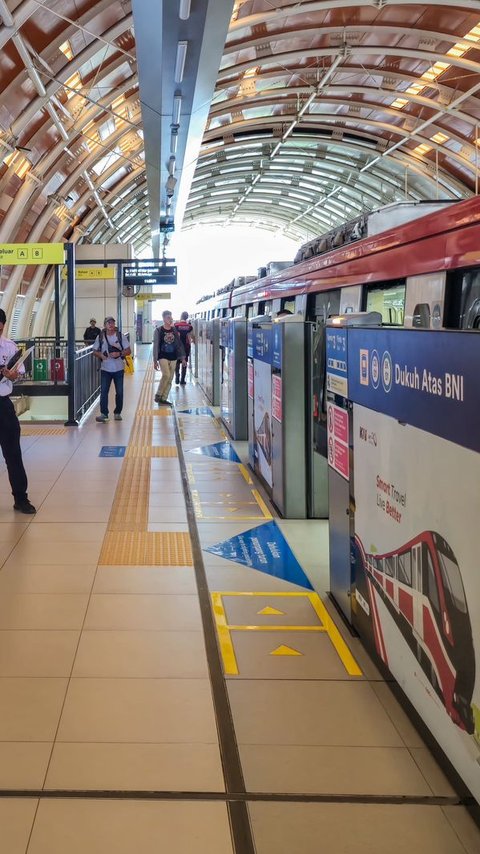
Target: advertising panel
{"type": "Point", "coordinates": [417, 585]}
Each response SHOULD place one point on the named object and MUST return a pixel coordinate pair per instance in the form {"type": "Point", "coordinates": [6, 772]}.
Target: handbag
{"type": "Point", "coordinates": [129, 365]}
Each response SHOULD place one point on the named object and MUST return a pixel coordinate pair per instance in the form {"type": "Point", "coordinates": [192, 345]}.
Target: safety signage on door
{"type": "Point", "coordinates": [32, 253]}
{"type": "Point", "coordinates": [337, 424]}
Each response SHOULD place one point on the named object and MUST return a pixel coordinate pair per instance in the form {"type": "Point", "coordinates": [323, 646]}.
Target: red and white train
{"type": "Point", "coordinates": [421, 585]}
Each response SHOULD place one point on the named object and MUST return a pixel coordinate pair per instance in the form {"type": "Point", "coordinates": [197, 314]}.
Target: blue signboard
{"type": "Point", "coordinates": [428, 379]}
{"type": "Point", "coordinates": [198, 410]}
{"type": "Point", "coordinates": [277, 345]}
{"type": "Point", "coordinates": [250, 341]}
{"type": "Point", "coordinates": [337, 365]}
{"type": "Point", "coordinates": [112, 451]}
{"type": "Point", "coordinates": [262, 345]}
{"type": "Point", "coordinates": [263, 548]}
{"type": "Point", "coordinates": [220, 450]}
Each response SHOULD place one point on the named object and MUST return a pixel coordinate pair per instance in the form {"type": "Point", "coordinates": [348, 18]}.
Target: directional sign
{"type": "Point", "coordinates": [92, 273]}
{"type": "Point", "coordinates": [32, 253]}
{"type": "Point", "coordinates": [145, 296]}
{"type": "Point", "coordinates": [149, 273]}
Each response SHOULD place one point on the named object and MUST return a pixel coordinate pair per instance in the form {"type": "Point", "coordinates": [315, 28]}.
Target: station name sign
{"type": "Point", "coordinates": [148, 273]}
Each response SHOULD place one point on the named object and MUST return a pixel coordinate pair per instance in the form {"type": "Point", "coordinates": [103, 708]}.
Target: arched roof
{"type": "Point", "coordinates": [302, 115]}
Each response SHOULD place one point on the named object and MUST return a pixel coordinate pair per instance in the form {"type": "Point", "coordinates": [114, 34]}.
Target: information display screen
{"type": "Point", "coordinates": [149, 273]}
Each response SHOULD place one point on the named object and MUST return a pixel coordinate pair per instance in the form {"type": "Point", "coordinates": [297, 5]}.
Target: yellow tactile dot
{"type": "Point", "coordinates": [145, 548]}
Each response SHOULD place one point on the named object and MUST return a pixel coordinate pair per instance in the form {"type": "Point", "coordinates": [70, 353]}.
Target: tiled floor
{"type": "Point", "coordinates": [105, 682]}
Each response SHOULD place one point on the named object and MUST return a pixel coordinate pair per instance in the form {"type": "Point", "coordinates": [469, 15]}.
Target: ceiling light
{"type": "Point", "coordinates": [184, 10]}
{"type": "Point", "coordinates": [180, 61]}
{"type": "Point", "coordinates": [171, 165]}
{"type": "Point", "coordinates": [173, 143]}
{"type": "Point", "coordinates": [177, 106]}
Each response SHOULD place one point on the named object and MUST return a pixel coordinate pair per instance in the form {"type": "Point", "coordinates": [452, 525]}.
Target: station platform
{"type": "Point", "coordinates": [173, 676]}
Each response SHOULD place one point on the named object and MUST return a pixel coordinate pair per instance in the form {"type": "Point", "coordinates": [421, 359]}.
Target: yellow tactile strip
{"type": "Point", "coordinates": [151, 451]}
{"type": "Point", "coordinates": [42, 431]}
{"type": "Point", "coordinates": [127, 541]}
{"type": "Point", "coordinates": [146, 548]}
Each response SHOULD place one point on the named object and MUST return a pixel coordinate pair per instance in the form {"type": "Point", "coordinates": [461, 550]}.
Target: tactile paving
{"type": "Point", "coordinates": [151, 451]}
{"type": "Point", "coordinates": [146, 548]}
{"type": "Point", "coordinates": [42, 431]}
{"type": "Point", "coordinates": [127, 541]}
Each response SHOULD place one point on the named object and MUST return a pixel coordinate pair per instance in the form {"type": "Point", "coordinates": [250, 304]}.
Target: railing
{"type": "Point", "coordinates": [87, 381]}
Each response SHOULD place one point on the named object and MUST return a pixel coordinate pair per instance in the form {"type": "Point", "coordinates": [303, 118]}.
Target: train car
{"type": "Point", "coordinates": [421, 586]}
{"type": "Point", "coordinates": [424, 273]}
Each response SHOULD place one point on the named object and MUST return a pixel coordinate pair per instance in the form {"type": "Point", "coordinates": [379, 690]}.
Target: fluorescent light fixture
{"type": "Point", "coordinates": [171, 165]}
{"type": "Point", "coordinates": [173, 143]}
{"type": "Point", "coordinates": [180, 61]}
{"type": "Point", "coordinates": [177, 106]}
{"type": "Point", "coordinates": [184, 10]}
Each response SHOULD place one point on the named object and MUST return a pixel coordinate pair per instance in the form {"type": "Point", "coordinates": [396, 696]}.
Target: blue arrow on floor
{"type": "Point", "coordinates": [220, 450]}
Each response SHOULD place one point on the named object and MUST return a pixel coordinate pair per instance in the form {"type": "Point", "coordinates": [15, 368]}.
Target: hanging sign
{"type": "Point", "coordinates": [32, 253]}
{"type": "Point", "coordinates": [92, 273]}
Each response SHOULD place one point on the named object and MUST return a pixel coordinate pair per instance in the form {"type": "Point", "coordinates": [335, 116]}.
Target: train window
{"type": "Point", "coordinates": [288, 305]}
{"type": "Point", "coordinates": [390, 566]}
{"type": "Point", "coordinates": [452, 580]}
{"type": "Point", "coordinates": [405, 568]}
{"type": "Point", "coordinates": [432, 590]}
{"type": "Point", "coordinates": [462, 305]}
{"type": "Point", "coordinates": [421, 316]}
{"type": "Point", "coordinates": [389, 301]}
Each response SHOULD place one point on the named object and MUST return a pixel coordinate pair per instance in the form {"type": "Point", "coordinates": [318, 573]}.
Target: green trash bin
{"type": "Point", "coordinates": [40, 369]}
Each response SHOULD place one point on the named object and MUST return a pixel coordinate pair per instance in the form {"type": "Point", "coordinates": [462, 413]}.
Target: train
{"type": "Point", "coordinates": [421, 585]}
{"type": "Point", "coordinates": [421, 273]}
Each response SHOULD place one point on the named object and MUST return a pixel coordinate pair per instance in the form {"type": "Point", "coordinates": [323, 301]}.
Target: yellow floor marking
{"type": "Point", "coordinates": [263, 507]}
{"type": "Point", "coordinates": [245, 474]}
{"type": "Point", "coordinates": [325, 624]}
{"type": "Point", "coordinates": [42, 431]}
{"type": "Point", "coordinates": [285, 650]}
{"type": "Point", "coordinates": [127, 541]}
{"type": "Point", "coordinates": [270, 611]}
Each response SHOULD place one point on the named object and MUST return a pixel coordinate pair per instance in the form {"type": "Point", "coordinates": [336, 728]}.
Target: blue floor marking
{"type": "Point", "coordinates": [112, 451]}
{"type": "Point", "coordinates": [199, 410]}
{"type": "Point", "coordinates": [266, 549]}
{"type": "Point", "coordinates": [220, 450]}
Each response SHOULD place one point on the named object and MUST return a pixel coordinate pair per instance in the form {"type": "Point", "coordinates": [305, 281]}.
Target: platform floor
{"type": "Point", "coordinates": [133, 718]}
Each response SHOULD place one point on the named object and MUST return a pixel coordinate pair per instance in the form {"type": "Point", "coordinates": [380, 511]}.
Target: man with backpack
{"type": "Point", "coordinates": [167, 349]}
{"type": "Point", "coordinates": [110, 348]}
{"type": "Point", "coordinates": [185, 330]}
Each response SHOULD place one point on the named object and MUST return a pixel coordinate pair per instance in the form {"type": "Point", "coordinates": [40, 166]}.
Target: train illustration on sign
{"type": "Point", "coordinates": [421, 585]}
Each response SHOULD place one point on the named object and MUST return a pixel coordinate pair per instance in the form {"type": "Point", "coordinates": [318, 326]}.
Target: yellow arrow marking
{"type": "Point", "coordinates": [270, 611]}
{"type": "Point", "coordinates": [285, 650]}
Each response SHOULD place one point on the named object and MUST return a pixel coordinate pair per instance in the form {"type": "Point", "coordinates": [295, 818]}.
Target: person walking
{"type": "Point", "coordinates": [185, 330]}
{"type": "Point", "coordinates": [10, 425]}
{"type": "Point", "coordinates": [91, 332]}
{"type": "Point", "coordinates": [167, 349]}
{"type": "Point", "coordinates": [111, 347]}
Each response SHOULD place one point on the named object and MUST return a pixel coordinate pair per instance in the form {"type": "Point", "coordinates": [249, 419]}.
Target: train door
{"type": "Point", "coordinates": [417, 591]}
{"type": "Point", "coordinates": [424, 301]}
{"type": "Point", "coordinates": [327, 305]}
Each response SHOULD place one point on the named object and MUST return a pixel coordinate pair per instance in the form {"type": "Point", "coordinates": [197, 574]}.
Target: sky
{"type": "Point", "coordinates": [210, 257]}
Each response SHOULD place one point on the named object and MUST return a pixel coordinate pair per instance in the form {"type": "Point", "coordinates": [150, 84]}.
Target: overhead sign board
{"type": "Point", "coordinates": [148, 273]}
{"type": "Point", "coordinates": [92, 273]}
{"type": "Point", "coordinates": [32, 253]}
{"type": "Point", "coordinates": [144, 296]}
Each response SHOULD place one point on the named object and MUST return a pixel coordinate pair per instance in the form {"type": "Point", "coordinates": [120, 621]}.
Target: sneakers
{"type": "Point", "coordinates": [117, 416]}
{"type": "Point", "coordinates": [101, 418]}
{"type": "Point", "coordinates": [182, 382]}
{"type": "Point", "coordinates": [177, 382]}
{"type": "Point", "coordinates": [157, 398]}
{"type": "Point", "coordinates": [164, 402]}
{"type": "Point", "coordinates": [23, 505]}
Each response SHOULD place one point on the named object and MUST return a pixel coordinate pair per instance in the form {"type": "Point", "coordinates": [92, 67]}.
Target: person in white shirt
{"type": "Point", "coordinates": [111, 347]}
{"type": "Point", "coordinates": [10, 425]}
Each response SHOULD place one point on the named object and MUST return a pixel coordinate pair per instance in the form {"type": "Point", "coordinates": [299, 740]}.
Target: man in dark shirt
{"type": "Point", "coordinates": [91, 332]}
{"type": "Point", "coordinates": [185, 330]}
{"type": "Point", "coordinates": [167, 349]}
